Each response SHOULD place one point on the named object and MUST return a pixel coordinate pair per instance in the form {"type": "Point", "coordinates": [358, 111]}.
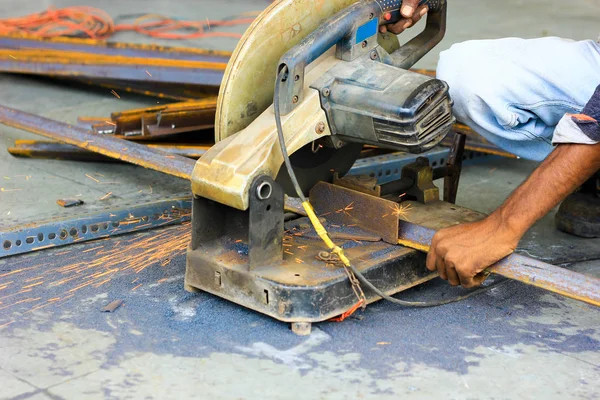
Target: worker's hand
{"type": "Point", "coordinates": [461, 253]}
{"type": "Point", "coordinates": [412, 13]}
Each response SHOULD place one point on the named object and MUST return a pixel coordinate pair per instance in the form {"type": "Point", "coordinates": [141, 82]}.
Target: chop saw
{"type": "Point", "coordinates": [310, 83]}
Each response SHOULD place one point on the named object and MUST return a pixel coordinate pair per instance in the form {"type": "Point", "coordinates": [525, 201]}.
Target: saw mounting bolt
{"type": "Point", "coordinates": [264, 191]}
{"type": "Point", "coordinates": [373, 55]}
{"type": "Point", "coordinates": [320, 128]}
{"type": "Point", "coordinates": [326, 92]}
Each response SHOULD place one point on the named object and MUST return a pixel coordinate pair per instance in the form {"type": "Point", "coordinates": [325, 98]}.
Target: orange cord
{"type": "Point", "coordinates": [93, 23]}
{"type": "Point", "coordinates": [348, 313]}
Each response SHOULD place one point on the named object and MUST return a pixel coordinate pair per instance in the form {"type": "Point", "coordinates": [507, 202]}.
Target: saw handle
{"type": "Point", "coordinates": [435, 29]}
{"type": "Point", "coordinates": [354, 30]}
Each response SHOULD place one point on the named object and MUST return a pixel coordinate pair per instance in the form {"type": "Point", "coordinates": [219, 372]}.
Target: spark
{"type": "Point", "coordinates": [288, 252]}
{"type": "Point", "coordinates": [150, 188]}
{"type": "Point", "coordinates": [32, 285]}
{"type": "Point", "coordinates": [401, 211]}
{"type": "Point", "coordinates": [9, 190]}
{"type": "Point", "coordinates": [13, 57]}
{"type": "Point", "coordinates": [7, 324]}
{"type": "Point", "coordinates": [383, 343]}
{"type": "Point", "coordinates": [149, 74]}
{"type": "Point", "coordinates": [302, 247]}
{"type": "Point", "coordinates": [92, 178]}
{"type": "Point", "coordinates": [106, 196]}
{"type": "Point", "coordinates": [208, 22]}
{"type": "Point", "coordinates": [402, 195]}
{"type": "Point", "coordinates": [115, 94]}
{"type": "Point", "coordinates": [7, 178]}
{"type": "Point", "coordinates": [162, 280]}
{"type": "Point", "coordinates": [345, 210]}
{"type": "Point", "coordinates": [92, 249]}
{"type": "Point", "coordinates": [299, 261]}
{"type": "Point", "coordinates": [239, 241]}
{"type": "Point", "coordinates": [8, 213]}
{"type": "Point", "coordinates": [136, 287]}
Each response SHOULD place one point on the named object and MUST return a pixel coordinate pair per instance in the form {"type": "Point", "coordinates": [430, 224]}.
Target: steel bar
{"type": "Point", "coordinates": [517, 267]}
{"type": "Point", "coordinates": [61, 151]}
{"type": "Point", "coordinates": [103, 48]}
{"type": "Point", "coordinates": [388, 168]}
{"type": "Point", "coordinates": [454, 168]}
{"type": "Point", "coordinates": [133, 153]}
{"type": "Point", "coordinates": [138, 68]}
{"type": "Point", "coordinates": [59, 232]}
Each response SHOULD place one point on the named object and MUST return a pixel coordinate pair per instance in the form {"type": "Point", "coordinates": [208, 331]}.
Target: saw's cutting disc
{"type": "Point", "coordinates": [248, 84]}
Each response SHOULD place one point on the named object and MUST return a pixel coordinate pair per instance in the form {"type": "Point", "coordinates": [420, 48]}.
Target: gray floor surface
{"type": "Point", "coordinates": [513, 342]}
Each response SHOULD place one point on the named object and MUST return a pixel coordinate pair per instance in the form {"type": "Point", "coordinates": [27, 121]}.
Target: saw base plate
{"type": "Point", "coordinates": [301, 287]}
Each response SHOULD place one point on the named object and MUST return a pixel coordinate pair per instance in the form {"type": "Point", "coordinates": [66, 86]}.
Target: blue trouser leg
{"type": "Point", "coordinates": [514, 91]}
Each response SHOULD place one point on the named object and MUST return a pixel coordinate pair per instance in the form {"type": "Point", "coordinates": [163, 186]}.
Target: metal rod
{"type": "Point", "coordinates": [517, 267]}
{"type": "Point", "coordinates": [102, 47]}
{"type": "Point", "coordinates": [26, 238]}
{"type": "Point", "coordinates": [55, 150]}
{"type": "Point", "coordinates": [133, 153]}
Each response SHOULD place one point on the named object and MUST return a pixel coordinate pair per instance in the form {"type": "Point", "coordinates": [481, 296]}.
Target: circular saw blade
{"type": "Point", "coordinates": [311, 167]}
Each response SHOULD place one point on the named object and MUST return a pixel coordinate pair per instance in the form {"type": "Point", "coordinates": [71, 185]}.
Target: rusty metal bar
{"type": "Point", "coordinates": [61, 151]}
{"type": "Point", "coordinates": [520, 268]}
{"type": "Point", "coordinates": [133, 153]}
{"type": "Point", "coordinates": [121, 67]}
{"type": "Point", "coordinates": [103, 48]}
{"type": "Point", "coordinates": [454, 168]}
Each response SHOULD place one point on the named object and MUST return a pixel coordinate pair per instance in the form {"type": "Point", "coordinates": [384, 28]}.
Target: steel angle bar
{"type": "Point", "coordinates": [192, 73]}
{"type": "Point", "coordinates": [127, 151]}
{"type": "Point", "coordinates": [61, 151]}
{"type": "Point", "coordinates": [103, 48]}
{"type": "Point", "coordinates": [388, 168]}
{"type": "Point", "coordinates": [59, 232]}
{"type": "Point", "coordinates": [520, 268]}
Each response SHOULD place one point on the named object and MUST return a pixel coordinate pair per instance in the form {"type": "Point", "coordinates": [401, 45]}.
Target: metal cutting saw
{"type": "Point", "coordinates": [310, 83]}
{"type": "Point", "coordinates": [278, 223]}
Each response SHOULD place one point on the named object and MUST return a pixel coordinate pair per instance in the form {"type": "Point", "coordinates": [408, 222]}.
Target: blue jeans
{"type": "Point", "coordinates": [514, 91]}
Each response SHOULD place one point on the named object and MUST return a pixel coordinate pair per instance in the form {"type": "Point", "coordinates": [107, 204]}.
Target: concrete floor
{"type": "Point", "coordinates": [513, 342]}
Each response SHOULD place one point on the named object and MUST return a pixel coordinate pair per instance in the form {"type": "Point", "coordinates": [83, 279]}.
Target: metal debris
{"type": "Point", "coordinates": [69, 202]}
{"type": "Point", "coordinates": [112, 306]}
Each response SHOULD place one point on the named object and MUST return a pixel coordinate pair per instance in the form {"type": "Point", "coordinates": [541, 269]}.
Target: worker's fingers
{"type": "Point", "coordinates": [477, 280]}
{"type": "Point", "coordinates": [453, 278]}
{"type": "Point", "coordinates": [467, 278]}
{"type": "Point", "coordinates": [431, 256]}
{"type": "Point", "coordinates": [399, 26]}
{"type": "Point", "coordinates": [408, 8]}
{"type": "Point", "coordinates": [419, 13]}
{"type": "Point", "coordinates": [441, 268]}
{"type": "Point", "coordinates": [405, 23]}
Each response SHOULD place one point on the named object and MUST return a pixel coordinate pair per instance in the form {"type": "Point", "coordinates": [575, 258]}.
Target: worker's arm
{"type": "Point", "coordinates": [460, 253]}
{"type": "Point", "coordinates": [412, 13]}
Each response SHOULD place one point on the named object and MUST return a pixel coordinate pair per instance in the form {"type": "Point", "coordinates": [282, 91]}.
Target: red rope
{"type": "Point", "coordinates": [93, 23]}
